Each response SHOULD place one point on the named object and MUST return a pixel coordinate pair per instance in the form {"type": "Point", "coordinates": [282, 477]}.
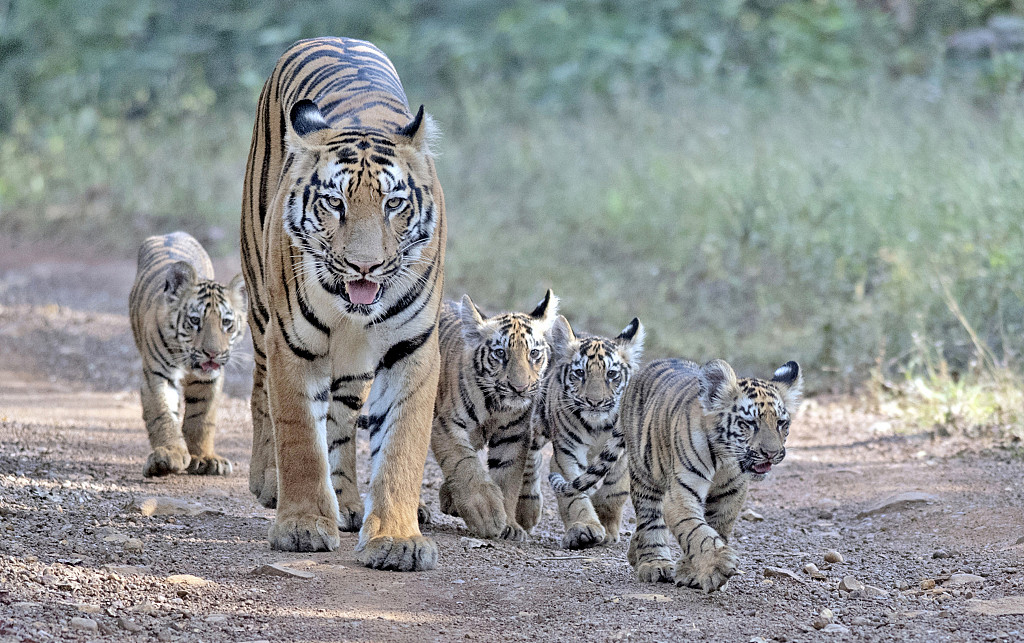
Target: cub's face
{"type": "Point", "coordinates": [753, 415]}
{"type": "Point", "coordinates": [593, 371]}
{"type": "Point", "coordinates": [509, 352]}
{"type": "Point", "coordinates": [359, 205]}
{"type": "Point", "coordinates": [207, 318]}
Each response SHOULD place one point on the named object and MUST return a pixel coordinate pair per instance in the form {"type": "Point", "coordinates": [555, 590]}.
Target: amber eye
{"type": "Point", "coordinates": [394, 204]}
{"type": "Point", "coordinates": [333, 202]}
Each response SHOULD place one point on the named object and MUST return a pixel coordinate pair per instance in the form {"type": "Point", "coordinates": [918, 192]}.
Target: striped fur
{"type": "Point", "coordinates": [491, 368]}
{"type": "Point", "coordinates": [696, 436]}
{"type": "Point", "coordinates": [577, 409]}
{"type": "Point", "coordinates": [342, 235]}
{"type": "Point", "coordinates": [185, 326]}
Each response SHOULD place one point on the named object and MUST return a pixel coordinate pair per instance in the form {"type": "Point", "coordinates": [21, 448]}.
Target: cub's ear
{"type": "Point", "coordinates": [718, 385]}
{"type": "Point", "coordinates": [238, 294]}
{"type": "Point", "coordinates": [790, 380]}
{"type": "Point", "coordinates": [546, 311]}
{"type": "Point", "coordinates": [631, 341]}
{"type": "Point", "coordinates": [561, 338]}
{"type": "Point", "coordinates": [180, 278]}
{"type": "Point", "coordinates": [421, 132]}
{"type": "Point", "coordinates": [472, 321]}
{"type": "Point", "coordinates": [307, 120]}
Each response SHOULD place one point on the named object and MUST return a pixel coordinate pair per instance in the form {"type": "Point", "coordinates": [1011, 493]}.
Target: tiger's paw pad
{"type": "Point", "coordinates": [709, 570]}
{"type": "Point", "coordinates": [415, 554]}
{"type": "Point", "coordinates": [582, 535]}
{"type": "Point", "coordinates": [264, 487]}
{"type": "Point", "coordinates": [213, 465]}
{"type": "Point", "coordinates": [309, 532]}
{"type": "Point", "coordinates": [513, 532]}
{"type": "Point", "coordinates": [166, 460]}
{"type": "Point", "coordinates": [528, 511]}
{"type": "Point", "coordinates": [483, 509]}
{"type": "Point", "coordinates": [655, 571]}
{"type": "Point", "coordinates": [423, 515]}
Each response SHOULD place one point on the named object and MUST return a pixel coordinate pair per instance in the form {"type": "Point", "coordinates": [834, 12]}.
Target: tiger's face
{"type": "Point", "coordinates": [753, 415]}
{"type": "Point", "coordinates": [208, 319]}
{"type": "Point", "coordinates": [593, 371]}
{"type": "Point", "coordinates": [359, 206]}
{"type": "Point", "coordinates": [510, 351]}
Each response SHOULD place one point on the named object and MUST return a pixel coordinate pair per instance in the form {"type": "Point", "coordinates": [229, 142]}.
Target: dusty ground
{"type": "Point", "coordinates": [74, 543]}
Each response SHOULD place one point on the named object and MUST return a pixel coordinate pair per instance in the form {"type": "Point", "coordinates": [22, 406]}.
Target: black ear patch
{"type": "Point", "coordinates": [787, 373]}
{"type": "Point", "coordinates": [629, 332]}
{"type": "Point", "coordinates": [413, 126]}
{"type": "Point", "coordinates": [542, 307]}
{"type": "Point", "coordinates": [306, 118]}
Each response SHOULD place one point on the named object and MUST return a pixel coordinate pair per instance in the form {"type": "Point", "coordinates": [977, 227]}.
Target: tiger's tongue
{"type": "Point", "coordinates": [362, 291]}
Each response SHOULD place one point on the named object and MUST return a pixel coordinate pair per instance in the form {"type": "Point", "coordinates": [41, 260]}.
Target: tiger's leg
{"type": "Point", "coordinates": [161, 399]}
{"type": "Point", "coordinates": [530, 500]}
{"type": "Point", "coordinates": [400, 410]}
{"type": "Point", "coordinates": [507, 449]}
{"type": "Point", "coordinates": [610, 498]}
{"type": "Point", "coordinates": [724, 504]}
{"type": "Point", "coordinates": [298, 391]}
{"type": "Point", "coordinates": [648, 548]}
{"type": "Point", "coordinates": [263, 461]}
{"type": "Point", "coordinates": [707, 560]}
{"type": "Point", "coordinates": [348, 393]}
{"type": "Point", "coordinates": [201, 396]}
{"type": "Point", "coordinates": [467, 490]}
{"type": "Point", "coordinates": [582, 526]}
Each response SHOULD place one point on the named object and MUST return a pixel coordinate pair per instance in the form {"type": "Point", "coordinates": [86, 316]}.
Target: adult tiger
{"type": "Point", "coordinates": [343, 235]}
{"type": "Point", "coordinates": [185, 326]}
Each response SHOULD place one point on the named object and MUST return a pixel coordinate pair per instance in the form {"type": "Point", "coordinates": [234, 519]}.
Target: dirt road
{"type": "Point", "coordinates": [79, 560]}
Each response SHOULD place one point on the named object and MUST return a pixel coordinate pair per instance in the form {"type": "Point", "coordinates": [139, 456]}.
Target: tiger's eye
{"type": "Point", "coordinates": [394, 203]}
{"type": "Point", "coordinates": [499, 353]}
{"type": "Point", "coordinates": [333, 202]}
{"type": "Point", "coordinates": [535, 354]}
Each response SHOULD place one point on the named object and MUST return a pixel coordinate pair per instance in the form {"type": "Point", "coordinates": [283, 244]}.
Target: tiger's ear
{"type": "Point", "coordinates": [238, 294]}
{"type": "Point", "coordinates": [631, 341]}
{"type": "Point", "coordinates": [180, 278]}
{"type": "Point", "coordinates": [790, 380]}
{"type": "Point", "coordinates": [718, 385]}
{"type": "Point", "coordinates": [472, 321]}
{"type": "Point", "coordinates": [546, 311]}
{"type": "Point", "coordinates": [561, 338]}
{"type": "Point", "coordinates": [421, 132]}
{"type": "Point", "coordinates": [307, 121]}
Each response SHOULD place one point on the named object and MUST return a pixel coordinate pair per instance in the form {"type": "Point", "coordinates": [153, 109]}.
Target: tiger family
{"type": "Point", "coordinates": [342, 245]}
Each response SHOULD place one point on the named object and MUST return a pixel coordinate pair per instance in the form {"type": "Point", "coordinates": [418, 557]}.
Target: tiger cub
{"type": "Point", "coordinates": [490, 370]}
{"type": "Point", "coordinates": [185, 326]}
{"type": "Point", "coordinates": [696, 436]}
{"type": "Point", "coordinates": [577, 409]}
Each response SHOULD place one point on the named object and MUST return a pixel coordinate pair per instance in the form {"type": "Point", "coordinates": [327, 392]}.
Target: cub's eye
{"type": "Point", "coordinates": [395, 203]}
{"type": "Point", "coordinates": [499, 353]}
{"type": "Point", "coordinates": [535, 354]}
{"type": "Point", "coordinates": [228, 324]}
{"type": "Point", "coordinates": [613, 376]}
{"type": "Point", "coordinates": [578, 373]}
{"type": "Point", "coordinates": [193, 321]}
{"type": "Point", "coordinates": [332, 202]}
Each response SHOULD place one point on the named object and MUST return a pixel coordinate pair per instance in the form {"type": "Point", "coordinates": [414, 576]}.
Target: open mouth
{"type": "Point", "coordinates": [209, 366]}
{"type": "Point", "coordinates": [761, 467]}
{"type": "Point", "coordinates": [362, 291]}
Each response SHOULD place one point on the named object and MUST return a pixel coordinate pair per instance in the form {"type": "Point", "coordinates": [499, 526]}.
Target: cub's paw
{"type": "Point", "coordinates": [655, 571]}
{"type": "Point", "coordinates": [350, 518]}
{"type": "Point", "coordinates": [709, 570]}
{"type": "Point", "coordinates": [528, 511]}
{"type": "Point", "coordinates": [513, 532]}
{"type": "Point", "coordinates": [483, 509]}
{"type": "Point", "coordinates": [212, 465]}
{"type": "Point", "coordinates": [415, 554]}
{"type": "Point", "coordinates": [166, 460]}
{"type": "Point", "coordinates": [581, 535]}
{"type": "Point", "coordinates": [423, 516]}
{"type": "Point", "coordinates": [264, 487]}
{"type": "Point", "coordinates": [307, 532]}
{"type": "Point", "coordinates": [447, 500]}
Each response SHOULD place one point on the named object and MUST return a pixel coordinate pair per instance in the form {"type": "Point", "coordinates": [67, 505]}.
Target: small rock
{"type": "Point", "coordinates": [473, 543]}
{"type": "Point", "coordinates": [131, 626]}
{"type": "Point", "coordinates": [823, 619]}
{"type": "Point", "coordinates": [812, 570]}
{"type": "Point", "coordinates": [187, 579]}
{"type": "Point", "coordinates": [836, 628]}
{"type": "Point", "coordinates": [164, 506]}
{"type": "Point", "coordinates": [899, 502]}
{"type": "Point", "coordinates": [778, 572]}
{"type": "Point", "coordinates": [133, 545]}
{"type": "Point", "coordinates": [860, 621]}
{"type": "Point", "coordinates": [277, 569]}
{"type": "Point", "coordinates": [86, 624]}
{"type": "Point", "coordinates": [903, 585]}
{"type": "Point", "coordinates": [146, 608]}
{"type": "Point", "coordinates": [116, 539]}
{"type": "Point", "coordinates": [832, 556]}
{"type": "Point", "coordinates": [1020, 541]}
{"type": "Point", "coordinates": [928, 583]}
{"type": "Point", "coordinates": [89, 609]}
{"type": "Point", "coordinates": [940, 553]}
{"type": "Point", "coordinates": [657, 598]}
{"type": "Point", "coordinates": [25, 605]}
{"type": "Point", "coordinates": [964, 579]}
{"type": "Point", "coordinates": [216, 618]}
{"type": "Point", "coordinates": [127, 570]}
{"type": "Point", "coordinates": [165, 635]}
{"type": "Point", "coordinates": [850, 584]}
{"type": "Point", "coordinates": [751, 515]}
{"type": "Point", "coordinates": [874, 592]}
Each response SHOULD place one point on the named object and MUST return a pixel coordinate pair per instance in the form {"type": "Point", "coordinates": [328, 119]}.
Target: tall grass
{"type": "Point", "coordinates": [832, 228]}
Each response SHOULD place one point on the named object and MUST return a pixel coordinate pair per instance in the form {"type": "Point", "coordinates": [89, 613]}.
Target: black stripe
{"type": "Point", "coordinates": [404, 349]}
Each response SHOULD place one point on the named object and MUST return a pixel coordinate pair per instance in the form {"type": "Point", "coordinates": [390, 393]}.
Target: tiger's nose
{"type": "Point", "coordinates": [211, 354]}
{"type": "Point", "coordinates": [518, 389]}
{"type": "Point", "coordinates": [364, 267]}
{"type": "Point", "coordinates": [776, 454]}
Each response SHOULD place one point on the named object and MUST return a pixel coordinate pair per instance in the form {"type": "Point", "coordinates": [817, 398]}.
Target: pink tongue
{"type": "Point", "coordinates": [362, 291]}
{"type": "Point", "coordinates": [209, 366]}
{"type": "Point", "coordinates": [763, 467]}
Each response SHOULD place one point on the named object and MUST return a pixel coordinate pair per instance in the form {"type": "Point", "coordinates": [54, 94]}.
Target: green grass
{"type": "Point", "coordinates": [831, 228]}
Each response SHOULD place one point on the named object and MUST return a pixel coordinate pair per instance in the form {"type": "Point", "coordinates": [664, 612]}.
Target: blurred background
{"type": "Point", "coordinates": [834, 181]}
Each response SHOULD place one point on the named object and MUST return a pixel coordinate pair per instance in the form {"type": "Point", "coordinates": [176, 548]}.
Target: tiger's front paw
{"type": "Point", "coordinates": [304, 532]}
{"type": "Point", "coordinates": [708, 570]}
{"type": "Point", "coordinates": [415, 554]}
{"type": "Point", "coordinates": [350, 516]}
{"type": "Point", "coordinates": [513, 532]}
{"type": "Point", "coordinates": [581, 535]}
{"type": "Point", "coordinates": [655, 571]}
{"type": "Point", "coordinates": [528, 511]}
{"type": "Point", "coordinates": [423, 516]}
{"type": "Point", "coordinates": [483, 509]}
{"type": "Point", "coordinates": [264, 487]}
{"type": "Point", "coordinates": [166, 460]}
{"type": "Point", "coordinates": [212, 465]}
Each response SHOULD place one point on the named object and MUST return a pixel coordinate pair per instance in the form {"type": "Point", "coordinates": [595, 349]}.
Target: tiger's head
{"type": "Point", "coordinates": [360, 205]}
{"type": "Point", "coordinates": [510, 351]}
{"type": "Point", "coordinates": [752, 415]}
{"type": "Point", "coordinates": [593, 372]}
{"type": "Point", "coordinates": [206, 318]}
